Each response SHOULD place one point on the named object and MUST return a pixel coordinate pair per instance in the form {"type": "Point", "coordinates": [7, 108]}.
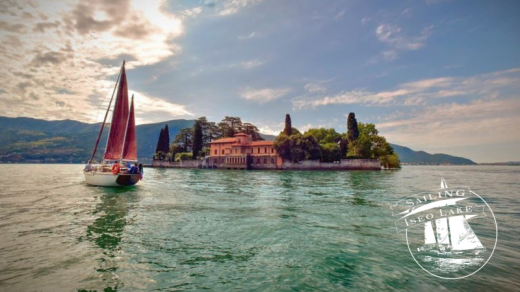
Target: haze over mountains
{"type": "Point", "coordinates": [26, 140]}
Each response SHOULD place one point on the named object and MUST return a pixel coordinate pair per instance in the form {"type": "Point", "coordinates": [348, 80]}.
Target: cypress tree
{"type": "Point", "coordinates": [160, 141]}
{"type": "Point", "coordinates": [197, 139]}
{"type": "Point", "coordinates": [166, 140]}
{"type": "Point", "coordinates": [352, 126]}
{"type": "Point", "coordinates": [288, 127]}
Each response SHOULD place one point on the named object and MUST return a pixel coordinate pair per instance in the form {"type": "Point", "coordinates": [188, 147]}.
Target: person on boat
{"type": "Point", "coordinates": [88, 167]}
{"type": "Point", "coordinates": [133, 169]}
{"type": "Point", "coordinates": [141, 168]}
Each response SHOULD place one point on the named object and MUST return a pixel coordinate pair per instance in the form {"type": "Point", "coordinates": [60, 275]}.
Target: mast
{"type": "Point", "coordinates": [105, 118]}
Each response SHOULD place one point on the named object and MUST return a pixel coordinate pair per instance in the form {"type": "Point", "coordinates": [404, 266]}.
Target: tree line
{"type": "Point", "coordinates": [194, 142]}
{"type": "Point", "coordinates": [360, 141]}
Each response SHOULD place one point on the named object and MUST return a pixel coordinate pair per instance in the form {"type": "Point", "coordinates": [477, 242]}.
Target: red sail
{"type": "Point", "coordinates": [119, 121]}
{"type": "Point", "coordinates": [130, 147]}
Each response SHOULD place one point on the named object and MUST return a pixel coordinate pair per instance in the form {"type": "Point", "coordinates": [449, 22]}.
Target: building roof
{"type": "Point", "coordinates": [224, 140]}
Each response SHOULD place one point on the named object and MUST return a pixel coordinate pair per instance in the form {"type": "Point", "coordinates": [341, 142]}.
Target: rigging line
{"type": "Point", "coordinates": [104, 98]}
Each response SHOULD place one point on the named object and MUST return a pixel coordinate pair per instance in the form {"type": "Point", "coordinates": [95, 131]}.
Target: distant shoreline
{"type": "Point", "coordinates": [150, 166]}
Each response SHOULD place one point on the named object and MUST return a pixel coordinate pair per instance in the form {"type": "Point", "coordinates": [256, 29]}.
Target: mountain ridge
{"type": "Point", "coordinates": [67, 141]}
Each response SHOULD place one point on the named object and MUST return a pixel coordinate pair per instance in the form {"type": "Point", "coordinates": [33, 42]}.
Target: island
{"type": "Point", "coordinates": [232, 144]}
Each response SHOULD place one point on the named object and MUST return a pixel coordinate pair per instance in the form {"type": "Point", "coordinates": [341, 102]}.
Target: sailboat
{"type": "Point", "coordinates": [121, 148]}
{"type": "Point", "coordinates": [453, 235]}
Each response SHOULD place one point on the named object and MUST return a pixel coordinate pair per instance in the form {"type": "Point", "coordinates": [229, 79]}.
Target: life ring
{"type": "Point", "coordinates": [116, 168]}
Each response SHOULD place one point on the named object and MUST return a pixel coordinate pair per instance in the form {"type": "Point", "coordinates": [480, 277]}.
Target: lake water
{"type": "Point", "coordinates": [192, 230]}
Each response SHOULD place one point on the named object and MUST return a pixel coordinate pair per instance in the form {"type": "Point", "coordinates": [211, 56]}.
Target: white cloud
{"type": "Point", "coordinates": [454, 124]}
{"type": "Point", "coordinates": [152, 109]}
{"type": "Point", "coordinates": [339, 15]}
{"type": "Point", "coordinates": [269, 131]}
{"type": "Point", "coordinates": [265, 94]}
{"type": "Point", "coordinates": [252, 63]}
{"type": "Point", "coordinates": [248, 36]}
{"type": "Point", "coordinates": [66, 58]}
{"type": "Point", "coordinates": [397, 42]}
{"type": "Point", "coordinates": [420, 92]}
{"type": "Point", "coordinates": [233, 6]}
{"type": "Point", "coordinates": [315, 87]}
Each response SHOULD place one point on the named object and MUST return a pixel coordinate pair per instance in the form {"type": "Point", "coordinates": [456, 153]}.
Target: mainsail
{"type": "Point", "coordinates": [130, 143]}
{"type": "Point", "coordinates": [118, 127]}
{"type": "Point", "coordinates": [462, 236]}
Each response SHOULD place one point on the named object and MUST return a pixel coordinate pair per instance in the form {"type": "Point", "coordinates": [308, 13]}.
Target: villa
{"type": "Point", "coordinates": [240, 152]}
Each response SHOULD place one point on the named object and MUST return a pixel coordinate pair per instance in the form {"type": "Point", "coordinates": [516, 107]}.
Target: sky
{"type": "Point", "coordinates": [441, 76]}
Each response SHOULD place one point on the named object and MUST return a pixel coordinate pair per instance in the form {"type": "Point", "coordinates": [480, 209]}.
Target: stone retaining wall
{"type": "Point", "coordinates": [344, 164]}
{"type": "Point", "coordinates": [180, 164]}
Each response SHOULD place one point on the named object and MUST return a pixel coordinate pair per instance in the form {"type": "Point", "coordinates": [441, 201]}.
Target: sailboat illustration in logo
{"type": "Point", "coordinates": [453, 234]}
{"type": "Point", "coordinates": [438, 233]}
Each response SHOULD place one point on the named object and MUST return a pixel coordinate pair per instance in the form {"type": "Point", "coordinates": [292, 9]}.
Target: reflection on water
{"type": "Point", "coordinates": [106, 232]}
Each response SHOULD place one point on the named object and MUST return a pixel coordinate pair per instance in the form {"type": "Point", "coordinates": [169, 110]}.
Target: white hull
{"type": "Point", "coordinates": [107, 179]}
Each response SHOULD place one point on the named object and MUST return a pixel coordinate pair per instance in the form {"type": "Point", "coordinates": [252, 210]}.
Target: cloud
{"type": "Point", "coordinates": [339, 15]}
{"type": "Point", "coordinates": [265, 94]}
{"type": "Point", "coordinates": [152, 109]}
{"type": "Point", "coordinates": [397, 42]}
{"type": "Point", "coordinates": [15, 27]}
{"type": "Point", "coordinates": [252, 64]}
{"type": "Point", "coordinates": [75, 49]}
{"type": "Point", "coordinates": [476, 123]}
{"type": "Point", "coordinates": [248, 36]}
{"type": "Point", "coordinates": [315, 87]}
{"type": "Point", "coordinates": [233, 6]}
{"type": "Point", "coordinates": [421, 92]}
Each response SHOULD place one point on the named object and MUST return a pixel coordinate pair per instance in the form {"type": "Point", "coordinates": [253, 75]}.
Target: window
{"type": "Point", "coordinates": [258, 161]}
{"type": "Point", "coordinates": [272, 160]}
{"type": "Point", "coordinates": [265, 160]}
{"type": "Point", "coordinates": [238, 140]}
{"type": "Point", "coordinates": [265, 149]}
{"type": "Point", "coordinates": [221, 160]}
{"type": "Point", "coordinates": [258, 149]}
{"type": "Point", "coordinates": [272, 150]}
{"type": "Point", "coordinates": [215, 151]}
{"type": "Point", "coordinates": [222, 151]}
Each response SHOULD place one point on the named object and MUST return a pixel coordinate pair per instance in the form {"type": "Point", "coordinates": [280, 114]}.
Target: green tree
{"type": "Point", "coordinates": [210, 131]}
{"type": "Point", "coordinates": [166, 140]}
{"type": "Point", "coordinates": [229, 126]}
{"type": "Point", "coordinates": [282, 145]}
{"type": "Point", "coordinates": [251, 130]}
{"type": "Point", "coordinates": [310, 146]}
{"type": "Point", "coordinates": [330, 152]}
{"type": "Point", "coordinates": [160, 141]}
{"type": "Point", "coordinates": [184, 139]}
{"type": "Point", "coordinates": [288, 126]}
{"type": "Point", "coordinates": [323, 135]}
{"type": "Point", "coordinates": [197, 139]}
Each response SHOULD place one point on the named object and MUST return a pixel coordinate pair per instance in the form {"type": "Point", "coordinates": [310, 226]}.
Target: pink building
{"type": "Point", "coordinates": [240, 152]}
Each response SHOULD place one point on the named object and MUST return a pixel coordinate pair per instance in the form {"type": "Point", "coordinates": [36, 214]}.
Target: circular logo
{"type": "Point", "coordinates": [451, 233]}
